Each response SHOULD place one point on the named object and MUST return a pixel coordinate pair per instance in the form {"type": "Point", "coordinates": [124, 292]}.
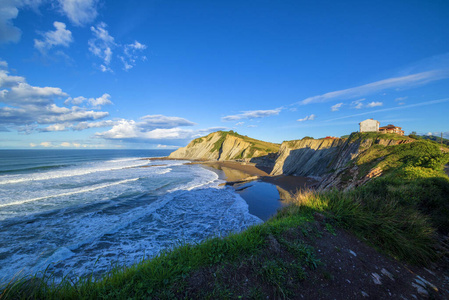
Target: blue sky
{"type": "Point", "coordinates": [155, 74]}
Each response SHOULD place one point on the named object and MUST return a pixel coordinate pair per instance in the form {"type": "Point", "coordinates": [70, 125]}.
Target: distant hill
{"type": "Point", "coordinates": [434, 138]}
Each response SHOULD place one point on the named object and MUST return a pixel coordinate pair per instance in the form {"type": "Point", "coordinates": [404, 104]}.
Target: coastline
{"type": "Point", "coordinates": [264, 194]}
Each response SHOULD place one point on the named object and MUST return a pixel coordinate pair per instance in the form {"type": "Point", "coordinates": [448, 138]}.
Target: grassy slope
{"type": "Point", "coordinates": [401, 214]}
{"type": "Point", "coordinates": [262, 146]}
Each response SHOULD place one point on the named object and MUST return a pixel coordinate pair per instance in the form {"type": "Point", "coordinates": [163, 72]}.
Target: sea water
{"type": "Point", "coordinates": [81, 212]}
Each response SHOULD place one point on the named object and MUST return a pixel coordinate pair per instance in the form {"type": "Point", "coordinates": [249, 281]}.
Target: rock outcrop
{"type": "Point", "coordinates": [332, 160]}
{"type": "Point", "coordinates": [307, 157]}
{"type": "Point", "coordinates": [222, 145]}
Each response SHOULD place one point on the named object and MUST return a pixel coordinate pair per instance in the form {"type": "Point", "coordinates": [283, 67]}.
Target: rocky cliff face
{"type": "Point", "coordinates": [308, 157]}
{"type": "Point", "coordinates": [332, 160]}
{"type": "Point", "coordinates": [223, 145]}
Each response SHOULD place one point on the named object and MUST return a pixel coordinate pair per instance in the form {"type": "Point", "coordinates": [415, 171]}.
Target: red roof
{"type": "Point", "coordinates": [389, 126]}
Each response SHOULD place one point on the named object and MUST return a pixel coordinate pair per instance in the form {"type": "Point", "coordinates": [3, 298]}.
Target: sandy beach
{"type": "Point", "coordinates": [264, 194]}
{"type": "Point", "coordinates": [235, 171]}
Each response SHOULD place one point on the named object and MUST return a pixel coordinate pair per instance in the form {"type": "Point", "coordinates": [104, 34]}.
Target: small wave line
{"type": "Point", "coordinates": [69, 193]}
{"type": "Point", "coordinates": [65, 175]}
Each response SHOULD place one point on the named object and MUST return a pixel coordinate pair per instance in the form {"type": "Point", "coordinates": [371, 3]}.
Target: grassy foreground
{"type": "Point", "coordinates": [401, 214]}
{"type": "Point", "coordinates": [403, 231]}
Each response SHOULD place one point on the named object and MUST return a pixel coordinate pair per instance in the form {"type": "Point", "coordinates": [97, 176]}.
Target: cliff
{"type": "Point", "coordinates": [339, 163]}
{"type": "Point", "coordinates": [307, 157]}
{"type": "Point", "coordinates": [225, 145]}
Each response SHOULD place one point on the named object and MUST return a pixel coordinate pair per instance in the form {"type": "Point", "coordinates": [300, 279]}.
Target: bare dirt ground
{"type": "Point", "coordinates": [347, 269]}
{"type": "Point", "coordinates": [358, 271]}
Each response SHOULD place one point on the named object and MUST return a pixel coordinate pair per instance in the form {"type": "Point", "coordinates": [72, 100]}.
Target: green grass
{"type": "Point", "coordinates": [165, 276]}
{"type": "Point", "coordinates": [219, 143]}
{"type": "Point", "coordinates": [401, 214]}
{"type": "Point", "coordinates": [375, 136]}
{"type": "Point", "coordinates": [435, 139]}
{"type": "Point", "coordinates": [255, 145]}
{"type": "Point", "coordinates": [418, 159]}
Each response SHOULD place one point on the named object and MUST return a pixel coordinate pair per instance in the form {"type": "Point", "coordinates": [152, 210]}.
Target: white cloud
{"type": "Point", "coordinates": [129, 129]}
{"type": "Point", "coordinates": [59, 37]}
{"type": "Point", "coordinates": [336, 107]}
{"type": "Point", "coordinates": [167, 146]}
{"type": "Point", "coordinates": [307, 118]}
{"type": "Point", "coordinates": [132, 54]}
{"type": "Point", "coordinates": [160, 121]}
{"type": "Point", "coordinates": [100, 101]}
{"type": "Point", "coordinates": [87, 125]}
{"type": "Point", "coordinates": [9, 10]}
{"type": "Point", "coordinates": [101, 45]}
{"type": "Point", "coordinates": [154, 128]}
{"type": "Point", "coordinates": [80, 12]}
{"type": "Point", "coordinates": [393, 108]}
{"type": "Point", "coordinates": [7, 81]}
{"type": "Point", "coordinates": [395, 82]}
{"type": "Point", "coordinates": [105, 99]}
{"type": "Point", "coordinates": [251, 126]}
{"type": "Point", "coordinates": [75, 101]}
{"type": "Point", "coordinates": [54, 127]}
{"type": "Point", "coordinates": [66, 144]}
{"type": "Point", "coordinates": [46, 144]}
{"type": "Point", "coordinates": [358, 104]}
{"type": "Point", "coordinates": [239, 123]}
{"type": "Point", "coordinates": [32, 145]}
{"type": "Point", "coordinates": [23, 94]}
{"type": "Point", "coordinates": [401, 100]}
{"type": "Point", "coordinates": [374, 104]}
{"type": "Point", "coordinates": [150, 127]}
{"type": "Point", "coordinates": [252, 114]}
{"type": "Point", "coordinates": [29, 106]}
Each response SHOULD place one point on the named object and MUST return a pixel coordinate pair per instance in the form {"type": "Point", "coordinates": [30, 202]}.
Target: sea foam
{"type": "Point", "coordinates": [116, 213]}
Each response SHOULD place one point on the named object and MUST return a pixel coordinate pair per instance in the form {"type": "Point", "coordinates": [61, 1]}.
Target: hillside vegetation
{"type": "Point", "coordinates": [436, 139]}
{"type": "Point", "coordinates": [404, 157]}
{"type": "Point", "coordinates": [403, 214]}
{"type": "Point", "coordinates": [255, 145]}
{"type": "Point", "coordinates": [225, 145]}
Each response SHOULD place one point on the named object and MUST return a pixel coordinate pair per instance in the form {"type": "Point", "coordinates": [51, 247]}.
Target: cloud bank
{"type": "Point", "coordinates": [26, 107]}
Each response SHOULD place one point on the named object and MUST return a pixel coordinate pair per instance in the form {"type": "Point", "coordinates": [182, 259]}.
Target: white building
{"type": "Point", "coordinates": [369, 125]}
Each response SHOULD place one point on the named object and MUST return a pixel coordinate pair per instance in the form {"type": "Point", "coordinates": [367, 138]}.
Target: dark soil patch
{"type": "Point", "coordinates": [316, 261]}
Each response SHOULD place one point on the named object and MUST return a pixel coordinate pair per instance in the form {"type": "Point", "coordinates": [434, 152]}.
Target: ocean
{"type": "Point", "coordinates": [81, 212]}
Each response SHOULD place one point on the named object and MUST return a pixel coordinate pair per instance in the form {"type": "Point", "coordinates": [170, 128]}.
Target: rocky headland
{"type": "Point", "coordinates": [333, 162]}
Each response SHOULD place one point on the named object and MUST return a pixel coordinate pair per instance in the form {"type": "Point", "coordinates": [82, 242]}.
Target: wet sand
{"type": "Point", "coordinates": [264, 194]}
